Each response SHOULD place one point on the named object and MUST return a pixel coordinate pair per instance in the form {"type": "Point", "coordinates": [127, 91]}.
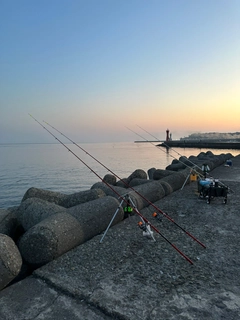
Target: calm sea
{"type": "Point", "coordinates": [53, 167]}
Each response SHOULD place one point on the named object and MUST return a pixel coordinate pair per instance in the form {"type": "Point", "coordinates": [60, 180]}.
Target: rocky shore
{"type": "Point", "coordinates": [52, 265]}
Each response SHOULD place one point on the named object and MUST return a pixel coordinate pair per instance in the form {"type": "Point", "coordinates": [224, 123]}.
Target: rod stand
{"type": "Point", "coordinates": [188, 176]}
{"type": "Point", "coordinates": [110, 223]}
{"type": "Point", "coordinates": [147, 232]}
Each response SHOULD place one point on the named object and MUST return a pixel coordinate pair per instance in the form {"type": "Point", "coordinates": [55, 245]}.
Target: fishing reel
{"type": "Point", "coordinates": [155, 215]}
{"type": "Point", "coordinates": [147, 232]}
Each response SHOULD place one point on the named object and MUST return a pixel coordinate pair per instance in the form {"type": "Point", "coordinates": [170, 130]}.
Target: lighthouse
{"type": "Point", "coordinates": [167, 135]}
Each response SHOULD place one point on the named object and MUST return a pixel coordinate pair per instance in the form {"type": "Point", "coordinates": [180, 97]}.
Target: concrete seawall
{"type": "Point", "coordinates": [200, 144]}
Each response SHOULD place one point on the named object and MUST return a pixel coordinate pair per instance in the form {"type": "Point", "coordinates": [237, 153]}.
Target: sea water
{"type": "Point", "coordinates": [71, 169]}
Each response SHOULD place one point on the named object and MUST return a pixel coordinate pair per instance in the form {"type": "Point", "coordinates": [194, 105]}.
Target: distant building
{"type": "Point", "coordinates": [213, 136]}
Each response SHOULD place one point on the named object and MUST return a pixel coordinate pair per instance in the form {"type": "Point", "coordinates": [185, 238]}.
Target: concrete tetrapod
{"type": "Point", "coordinates": [176, 180]}
{"type": "Point", "coordinates": [114, 191]}
{"type": "Point", "coordinates": [94, 216]}
{"type": "Point", "coordinates": [61, 199]}
{"type": "Point", "coordinates": [10, 260]}
{"type": "Point", "coordinates": [151, 191]}
{"type": "Point", "coordinates": [9, 223]}
{"type": "Point", "coordinates": [34, 210]}
{"type": "Point", "coordinates": [61, 232]}
{"type": "Point", "coordinates": [50, 238]}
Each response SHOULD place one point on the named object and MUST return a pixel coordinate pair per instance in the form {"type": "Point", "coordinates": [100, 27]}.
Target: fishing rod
{"type": "Point", "coordinates": [122, 198]}
{"type": "Point", "coordinates": [184, 157]}
{"type": "Point", "coordinates": [127, 185]}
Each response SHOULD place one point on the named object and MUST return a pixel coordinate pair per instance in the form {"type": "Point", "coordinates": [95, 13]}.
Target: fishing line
{"type": "Point", "coordinates": [149, 202]}
{"type": "Point", "coordinates": [122, 198]}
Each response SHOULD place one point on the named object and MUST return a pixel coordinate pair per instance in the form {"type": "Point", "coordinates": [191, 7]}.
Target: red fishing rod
{"type": "Point", "coordinates": [149, 202]}
{"type": "Point", "coordinates": [122, 198]}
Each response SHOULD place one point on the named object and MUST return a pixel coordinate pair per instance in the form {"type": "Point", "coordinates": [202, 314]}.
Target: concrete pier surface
{"type": "Point", "coordinates": [129, 276]}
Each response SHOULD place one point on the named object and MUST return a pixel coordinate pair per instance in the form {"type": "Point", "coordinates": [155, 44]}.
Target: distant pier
{"type": "Point", "coordinates": [197, 144]}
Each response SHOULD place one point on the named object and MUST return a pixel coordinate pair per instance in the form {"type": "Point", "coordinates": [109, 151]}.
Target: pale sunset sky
{"type": "Point", "coordinates": [91, 68]}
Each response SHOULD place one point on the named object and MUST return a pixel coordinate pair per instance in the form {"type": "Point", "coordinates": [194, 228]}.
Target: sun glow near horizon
{"type": "Point", "coordinates": [92, 68]}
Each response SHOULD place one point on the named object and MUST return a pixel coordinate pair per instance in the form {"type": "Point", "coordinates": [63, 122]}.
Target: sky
{"type": "Point", "coordinates": [93, 68]}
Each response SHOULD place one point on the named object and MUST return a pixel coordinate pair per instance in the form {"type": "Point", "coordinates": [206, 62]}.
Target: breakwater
{"type": "Point", "coordinates": [212, 144]}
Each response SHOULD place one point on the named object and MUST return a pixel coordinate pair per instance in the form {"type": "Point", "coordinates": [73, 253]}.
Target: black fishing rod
{"type": "Point", "coordinates": [127, 185]}
{"type": "Point", "coordinates": [185, 157]}
{"type": "Point", "coordinates": [122, 198]}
